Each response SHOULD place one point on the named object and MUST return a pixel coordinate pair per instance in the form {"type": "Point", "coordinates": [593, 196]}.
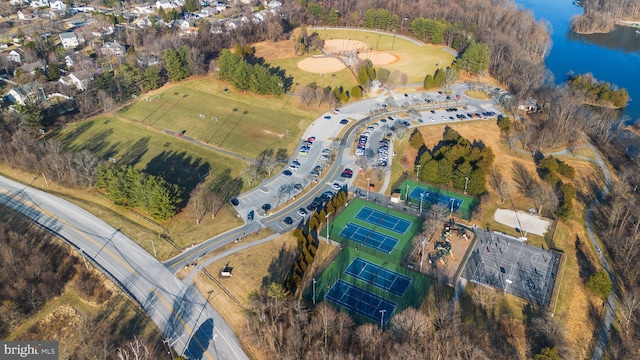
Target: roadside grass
{"type": "Point", "coordinates": [243, 123]}
{"type": "Point", "coordinates": [414, 60]}
{"type": "Point", "coordinates": [253, 268]}
{"type": "Point", "coordinates": [342, 78]}
{"type": "Point", "coordinates": [476, 94]}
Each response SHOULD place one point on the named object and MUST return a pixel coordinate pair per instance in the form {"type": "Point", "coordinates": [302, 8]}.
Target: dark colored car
{"type": "Point", "coordinates": [250, 215]}
{"type": "Point", "coordinates": [234, 201]}
{"type": "Point", "coordinates": [287, 173]}
{"type": "Point", "coordinates": [344, 121]}
{"type": "Point", "coordinates": [266, 207]}
{"type": "Point", "coordinates": [288, 220]}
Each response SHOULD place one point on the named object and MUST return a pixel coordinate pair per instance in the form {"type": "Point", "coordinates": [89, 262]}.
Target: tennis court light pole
{"type": "Point", "coordinates": [314, 290]}
{"type": "Point", "coordinates": [466, 181]}
{"type": "Point", "coordinates": [418, 172]}
{"type": "Point", "coordinates": [421, 196]}
{"type": "Point", "coordinates": [368, 187]}
{"type": "Point", "coordinates": [382, 317]}
{"type": "Point", "coordinates": [327, 217]}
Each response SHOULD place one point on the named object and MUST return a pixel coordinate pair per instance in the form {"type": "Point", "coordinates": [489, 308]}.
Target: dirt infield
{"type": "Point", "coordinates": [321, 65]}
{"type": "Point", "coordinates": [378, 58]}
{"type": "Point", "coordinates": [529, 222]}
{"type": "Point", "coordinates": [340, 45]}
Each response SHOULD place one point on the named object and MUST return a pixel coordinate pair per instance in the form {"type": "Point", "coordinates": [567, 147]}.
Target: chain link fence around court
{"type": "Point", "coordinates": [397, 256]}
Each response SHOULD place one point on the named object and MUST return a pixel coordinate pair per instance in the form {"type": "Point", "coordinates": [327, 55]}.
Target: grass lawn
{"type": "Point", "coordinates": [243, 123]}
{"type": "Point", "coordinates": [253, 268]}
{"type": "Point", "coordinates": [414, 60]}
{"type": "Point", "coordinates": [342, 78]}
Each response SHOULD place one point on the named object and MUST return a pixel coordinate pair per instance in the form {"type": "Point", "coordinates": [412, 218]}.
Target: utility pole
{"type": "Point", "coordinates": [314, 290]}
{"type": "Point", "coordinates": [418, 172]}
{"type": "Point", "coordinates": [327, 217]}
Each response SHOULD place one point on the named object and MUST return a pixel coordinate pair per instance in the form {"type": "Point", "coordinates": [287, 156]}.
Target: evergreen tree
{"type": "Point", "coordinates": [176, 63]}
{"type": "Point", "coordinates": [477, 182]}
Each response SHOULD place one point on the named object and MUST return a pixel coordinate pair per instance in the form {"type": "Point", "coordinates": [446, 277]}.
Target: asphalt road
{"type": "Point", "coordinates": [328, 134]}
{"type": "Point", "coordinates": [188, 322]}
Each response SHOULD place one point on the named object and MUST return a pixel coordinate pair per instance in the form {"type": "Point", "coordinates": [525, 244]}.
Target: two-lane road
{"type": "Point", "coordinates": [181, 313]}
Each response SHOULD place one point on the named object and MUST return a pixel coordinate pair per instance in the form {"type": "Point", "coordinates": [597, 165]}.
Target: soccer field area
{"type": "Point", "coordinates": [213, 112]}
{"type": "Point", "coordinates": [461, 205]}
{"type": "Point", "coordinates": [367, 278]}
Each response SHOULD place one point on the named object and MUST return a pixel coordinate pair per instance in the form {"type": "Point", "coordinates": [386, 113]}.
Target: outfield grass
{"type": "Point", "coordinates": [414, 60]}
{"type": "Point", "coordinates": [342, 78]}
{"type": "Point", "coordinates": [243, 123]}
{"type": "Point", "coordinates": [178, 161]}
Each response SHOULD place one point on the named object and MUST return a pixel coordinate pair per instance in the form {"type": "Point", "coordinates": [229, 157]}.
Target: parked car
{"type": "Point", "coordinates": [288, 220]}
{"type": "Point", "coordinates": [301, 212]}
{"type": "Point", "coordinates": [234, 201]}
{"type": "Point", "coordinates": [250, 215]}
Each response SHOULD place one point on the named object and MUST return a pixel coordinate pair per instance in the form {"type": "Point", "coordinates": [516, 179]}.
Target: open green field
{"type": "Point", "coordinates": [157, 153]}
{"type": "Point", "coordinates": [415, 60]}
{"type": "Point", "coordinates": [414, 295]}
{"type": "Point", "coordinates": [243, 123]}
{"type": "Point", "coordinates": [342, 78]}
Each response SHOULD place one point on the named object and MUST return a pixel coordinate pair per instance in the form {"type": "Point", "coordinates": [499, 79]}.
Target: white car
{"type": "Point", "coordinates": [336, 186]}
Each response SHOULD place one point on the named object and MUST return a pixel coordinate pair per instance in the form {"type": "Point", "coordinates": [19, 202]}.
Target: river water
{"type": "Point", "coordinates": [612, 57]}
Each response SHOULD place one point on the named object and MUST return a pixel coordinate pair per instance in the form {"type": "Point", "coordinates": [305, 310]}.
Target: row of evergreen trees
{"type": "Point", "coordinates": [258, 78]}
{"type": "Point", "coordinates": [132, 188]}
{"type": "Point", "coordinates": [454, 160]}
{"type": "Point", "coordinates": [307, 236]}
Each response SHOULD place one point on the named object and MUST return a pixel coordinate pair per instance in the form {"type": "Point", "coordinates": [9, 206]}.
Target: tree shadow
{"type": "Point", "coordinates": [586, 267]}
{"type": "Point", "coordinates": [134, 154]}
{"type": "Point", "coordinates": [199, 342]}
{"type": "Point", "coordinates": [225, 185]}
{"type": "Point", "coordinates": [67, 138]}
{"type": "Point", "coordinates": [180, 169]}
{"type": "Point", "coordinates": [279, 266]}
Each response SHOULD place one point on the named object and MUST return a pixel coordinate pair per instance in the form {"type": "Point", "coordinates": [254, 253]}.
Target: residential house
{"type": "Point", "coordinates": [220, 7]}
{"type": "Point", "coordinates": [20, 93]}
{"type": "Point", "coordinates": [31, 67]}
{"type": "Point", "coordinates": [148, 59]}
{"type": "Point", "coordinates": [16, 2]}
{"type": "Point", "coordinates": [103, 31]}
{"type": "Point", "coordinates": [204, 3]}
{"type": "Point", "coordinates": [273, 4]}
{"type": "Point", "coordinates": [39, 3]}
{"type": "Point", "coordinates": [58, 6]}
{"type": "Point", "coordinates": [207, 12]}
{"type": "Point", "coordinates": [27, 14]}
{"type": "Point", "coordinates": [143, 23]}
{"type": "Point", "coordinates": [182, 25]}
{"type": "Point", "coordinates": [69, 40]}
{"type": "Point", "coordinates": [166, 4]}
{"type": "Point", "coordinates": [113, 49]}
{"type": "Point", "coordinates": [4, 46]}
{"type": "Point", "coordinates": [68, 60]}
{"type": "Point", "coordinates": [78, 79]}
{"type": "Point", "coordinates": [14, 56]}
{"type": "Point", "coordinates": [530, 105]}
{"type": "Point", "coordinates": [144, 10]}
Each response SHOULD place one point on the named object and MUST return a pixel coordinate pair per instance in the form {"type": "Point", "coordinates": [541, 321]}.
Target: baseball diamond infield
{"type": "Point", "coordinates": [321, 65]}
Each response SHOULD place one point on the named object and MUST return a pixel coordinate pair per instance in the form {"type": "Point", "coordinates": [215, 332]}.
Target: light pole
{"type": "Point", "coordinates": [423, 242]}
{"type": "Point", "coordinates": [418, 172]}
{"type": "Point", "coordinates": [406, 194]}
{"type": "Point", "coordinates": [451, 214]}
{"type": "Point", "coordinates": [314, 290]}
{"type": "Point", "coordinates": [421, 196]}
{"type": "Point", "coordinates": [154, 248]}
{"type": "Point", "coordinates": [368, 187]}
{"type": "Point", "coordinates": [327, 217]}
{"type": "Point", "coordinates": [466, 181]}
{"type": "Point", "coordinates": [382, 317]}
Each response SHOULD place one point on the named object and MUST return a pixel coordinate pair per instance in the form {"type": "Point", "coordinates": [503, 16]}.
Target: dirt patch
{"type": "Point", "coordinates": [378, 58]}
{"type": "Point", "coordinates": [270, 50]}
{"type": "Point", "coordinates": [342, 45]}
{"type": "Point", "coordinates": [321, 65]}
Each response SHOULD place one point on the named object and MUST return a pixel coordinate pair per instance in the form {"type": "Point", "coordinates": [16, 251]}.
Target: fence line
{"type": "Point", "coordinates": [212, 278]}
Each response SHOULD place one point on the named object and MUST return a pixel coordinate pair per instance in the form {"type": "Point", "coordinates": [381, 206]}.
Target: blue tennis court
{"type": "Point", "coordinates": [368, 237]}
{"type": "Point", "coordinates": [436, 198]}
{"type": "Point", "coordinates": [383, 220]}
{"type": "Point", "coordinates": [361, 301]}
{"type": "Point", "coordinates": [383, 278]}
